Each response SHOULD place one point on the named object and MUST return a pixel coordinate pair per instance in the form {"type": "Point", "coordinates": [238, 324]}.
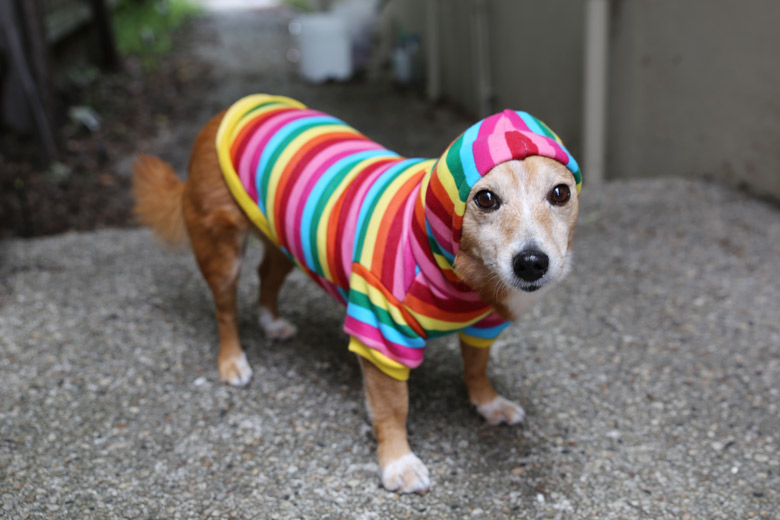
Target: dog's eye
{"type": "Point", "coordinates": [487, 200]}
{"type": "Point", "coordinates": [559, 195]}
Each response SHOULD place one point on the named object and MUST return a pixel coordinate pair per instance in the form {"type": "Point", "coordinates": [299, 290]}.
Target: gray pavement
{"type": "Point", "coordinates": [650, 378]}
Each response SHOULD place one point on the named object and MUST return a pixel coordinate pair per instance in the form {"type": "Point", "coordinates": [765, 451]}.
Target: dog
{"type": "Point", "coordinates": [414, 248]}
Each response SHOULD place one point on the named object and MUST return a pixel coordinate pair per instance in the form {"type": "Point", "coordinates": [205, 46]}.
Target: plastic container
{"type": "Point", "coordinates": [325, 48]}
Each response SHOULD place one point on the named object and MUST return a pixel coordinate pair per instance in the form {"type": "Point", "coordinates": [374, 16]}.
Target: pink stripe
{"type": "Point", "coordinates": [350, 223]}
{"type": "Point", "coordinates": [306, 181]}
{"type": "Point", "coordinates": [410, 357]}
{"type": "Point", "coordinates": [516, 121]}
{"type": "Point", "coordinates": [546, 148]}
{"type": "Point", "coordinates": [491, 320]}
{"type": "Point", "coordinates": [330, 288]}
{"type": "Point", "coordinates": [499, 151]}
{"type": "Point", "coordinates": [560, 155]}
{"type": "Point", "coordinates": [430, 275]}
{"type": "Point", "coordinates": [404, 260]}
{"type": "Point", "coordinates": [257, 143]}
{"type": "Point", "coordinates": [479, 149]}
{"type": "Point", "coordinates": [442, 231]}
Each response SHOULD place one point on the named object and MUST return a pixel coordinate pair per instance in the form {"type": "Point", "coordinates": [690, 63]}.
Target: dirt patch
{"type": "Point", "coordinates": [86, 189]}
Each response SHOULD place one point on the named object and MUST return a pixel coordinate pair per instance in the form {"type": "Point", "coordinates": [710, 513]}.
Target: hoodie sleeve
{"type": "Point", "coordinates": [381, 329]}
{"type": "Point", "coordinates": [484, 332]}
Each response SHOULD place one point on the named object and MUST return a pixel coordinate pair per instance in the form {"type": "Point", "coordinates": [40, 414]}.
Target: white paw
{"type": "Point", "coordinates": [236, 371]}
{"type": "Point", "coordinates": [276, 328]}
{"type": "Point", "coordinates": [407, 475]}
{"type": "Point", "coordinates": [501, 410]}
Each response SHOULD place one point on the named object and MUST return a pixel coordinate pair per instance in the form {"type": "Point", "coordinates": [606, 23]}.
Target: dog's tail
{"type": "Point", "coordinates": [158, 192]}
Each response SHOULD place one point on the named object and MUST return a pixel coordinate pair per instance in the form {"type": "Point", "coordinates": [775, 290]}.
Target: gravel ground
{"type": "Point", "coordinates": [650, 378]}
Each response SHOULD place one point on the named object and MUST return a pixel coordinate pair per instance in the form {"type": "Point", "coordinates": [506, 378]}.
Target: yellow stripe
{"type": "Point", "coordinates": [283, 161]}
{"type": "Point", "coordinates": [442, 261]}
{"type": "Point", "coordinates": [230, 124]}
{"type": "Point", "coordinates": [424, 184]}
{"type": "Point", "coordinates": [429, 323]}
{"type": "Point", "coordinates": [377, 298]}
{"type": "Point", "coordinates": [322, 227]}
{"type": "Point", "coordinates": [448, 182]}
{"type": "Point", "coordinates": [392, 368]}
{"type": "Point", "coordinates": [378, 215]}
{"type": "Point", "coordinates": [474, 341]}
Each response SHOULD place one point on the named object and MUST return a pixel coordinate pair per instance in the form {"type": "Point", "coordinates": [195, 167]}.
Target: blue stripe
{"type": "Point", "coordinates": [283, 133]}
{"type": "Point", "coordinates": [573, 167]}
{"type": "Point", "coordinates": [467, 158]}
{"type": "Point", "coordinates": [313, 198]}
{"type": "Point", "coordinates": [389, 333]}
{"type": "Point", "coordinates": [533, 125]}
{"type": "Point", "coordinates": [376, 188]}
{"type": "Point", "coordinates": [440, 248]}
{"type": "Point", "coordinates": [486, 333]}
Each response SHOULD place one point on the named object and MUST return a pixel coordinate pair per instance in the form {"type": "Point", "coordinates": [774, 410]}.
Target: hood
{"type": "Point", "coordinates": [496, 139]}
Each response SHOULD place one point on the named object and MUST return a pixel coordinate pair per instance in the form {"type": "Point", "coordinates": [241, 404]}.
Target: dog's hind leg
{"type": "Point", "coordinates": [219, 243]}
{"type": "Point", "coordinates": [272, 271]}
{"type": "Point", "coordinates": [494, 408]}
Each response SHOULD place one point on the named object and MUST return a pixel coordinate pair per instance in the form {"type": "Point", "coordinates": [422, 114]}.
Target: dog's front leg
{"type": "Point", "coordinates": [494, 408]}
{"type": "Point", "coordinates": [387, 400]}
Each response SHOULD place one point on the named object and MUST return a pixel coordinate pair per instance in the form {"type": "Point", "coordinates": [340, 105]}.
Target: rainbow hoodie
{"type": "Point", "coordinates": [377, 231]}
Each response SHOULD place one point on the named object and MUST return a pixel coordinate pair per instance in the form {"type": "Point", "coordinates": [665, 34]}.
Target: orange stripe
{"type": "Point", "coordinates": [251, 126]}
{"type": "Point", "coordinates": [392, 300]}
{"type": "Point", "coordinates": [426, 309]}
{"type": "Point", "coordinates": [334, 241]}
{"type": "Point", "coordinates": [294, 163]}
{"type": "Point", "coordinates": [389, 220]}
{"type": "Point", "coordinates": [440, 192]}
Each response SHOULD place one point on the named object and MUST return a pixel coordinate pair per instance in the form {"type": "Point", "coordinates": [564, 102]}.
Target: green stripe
{"type": "Point", "coordinates": [456, 168]}
{"type": "Point", "coordinates": [266, 174]}
{"type": "Point", "coordinates": [371, 215]}
{"type": "Point", "coordinates": [358, 298]}
{"type": "Point", "coordinates": [262, 105]}
{"type": "Point", "coordinates": [320, 207]}
{"type": "Point", "coordinates": [547, 131]}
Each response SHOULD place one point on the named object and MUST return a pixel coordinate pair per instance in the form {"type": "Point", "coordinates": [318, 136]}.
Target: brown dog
{"type": "Point", "coordinates": [519, 205]}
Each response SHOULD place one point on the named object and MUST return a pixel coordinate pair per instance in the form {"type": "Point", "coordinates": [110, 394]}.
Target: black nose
{"type": "Point", "coordinates": [530, 265]}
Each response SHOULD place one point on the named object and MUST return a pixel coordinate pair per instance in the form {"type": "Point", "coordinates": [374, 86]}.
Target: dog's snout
{"type": "Point", "coordinates": [530, 265]}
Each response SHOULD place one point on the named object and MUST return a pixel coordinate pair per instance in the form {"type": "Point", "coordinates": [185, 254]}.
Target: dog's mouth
{"type": "Point", "coordinates": [531, 287]}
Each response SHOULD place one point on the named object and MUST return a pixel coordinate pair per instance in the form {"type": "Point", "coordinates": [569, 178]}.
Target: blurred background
{"type": "Point", "coordinates": [635, 88]}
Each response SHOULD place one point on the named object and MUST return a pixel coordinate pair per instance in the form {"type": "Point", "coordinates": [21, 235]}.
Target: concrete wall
{"type": "Point", "coordinates": [537, 66]}
{"type": "Point", "coordinates": [694, 86]}
{"type": "Point", "coordinates": [535, 56]}
{"type": "Point", "coordinates": [695, 90]}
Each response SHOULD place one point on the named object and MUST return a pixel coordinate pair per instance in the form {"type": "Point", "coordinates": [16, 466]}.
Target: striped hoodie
{"type": "Point", "coordinates": [377, 231]}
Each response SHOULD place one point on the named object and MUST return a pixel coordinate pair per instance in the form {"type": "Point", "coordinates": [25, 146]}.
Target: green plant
{"type": "Point", "coordinates": [300, 5]}
{"type": "Point", "coordinates": [144, 28]}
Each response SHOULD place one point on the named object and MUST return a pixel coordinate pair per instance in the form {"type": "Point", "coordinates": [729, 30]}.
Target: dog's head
{"type": "Point", "coordinates": [500, 207]}
{"type": "Point", "coordinates": [517, 231]}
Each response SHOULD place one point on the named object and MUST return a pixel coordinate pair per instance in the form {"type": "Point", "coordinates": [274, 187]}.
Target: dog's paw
{"type": "Point", "coordinates": [235, 371]}
{"type": "Point", "coordinates": [407, 474]}
{"type": "Point", "coordinates": [276, 328]}
{"type": "Point", "coordinates": [501, 410]}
